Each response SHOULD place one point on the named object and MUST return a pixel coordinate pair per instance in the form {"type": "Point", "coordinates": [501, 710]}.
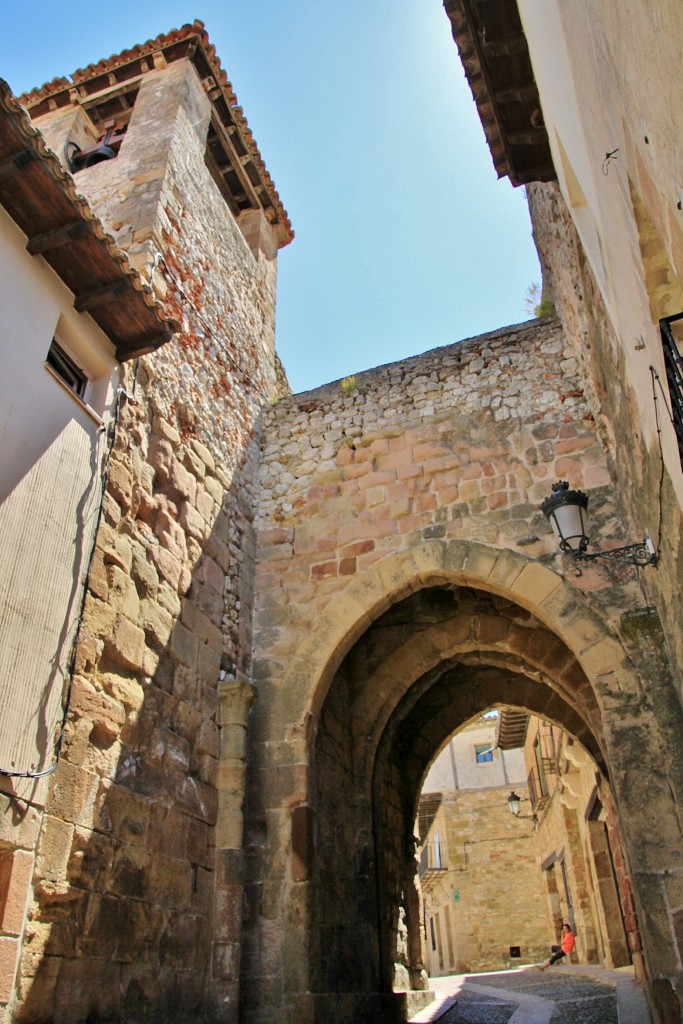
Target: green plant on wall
{"type": "Point", "coordinates": [538, 301]}
{"type": "Point", "coordinates": [348, 385]}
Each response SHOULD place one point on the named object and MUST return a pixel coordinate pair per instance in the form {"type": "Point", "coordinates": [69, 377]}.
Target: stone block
{"type": "Point", "coordinates": [54, 849]}
{"type": "Point", "coordinates": [143, 573]}
{"type": "Point", "coordinates": [106, 713]}
{"type": "Point", "coordinates": [184, 646]}
{"type": "Point", "coordinates": [9, 951]}
{"type": "Point", "coordinates": [22, 833]}
{"type": "Point", "coordinates": [182, 481]}
{"type": "Point", "coordinates": [16, 871]}
{"type": "Point", "coordinates": [125, 644]}
{"type": "Point", "coordinates": [168, 566]}
{"type": "Point", "coordinates": [200, 625]}
{"type": "Point", "coordinates": [120, 484]}
{"type": "Point", "coordinates": [72, 794]}
{"type": "Point", "coordinates": [194, 464]}
{"type": "Point", "coordinates": [157, 623]}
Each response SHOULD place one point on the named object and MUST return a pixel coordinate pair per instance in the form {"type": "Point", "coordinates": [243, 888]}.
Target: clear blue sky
{"type": "Point", "coordinates": [405, 239]}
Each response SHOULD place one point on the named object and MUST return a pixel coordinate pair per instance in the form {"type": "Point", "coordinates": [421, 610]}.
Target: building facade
{"type": "Point", "coordinates": [483, 907]}
{"type": "Point", "coordinates": [366, 568]}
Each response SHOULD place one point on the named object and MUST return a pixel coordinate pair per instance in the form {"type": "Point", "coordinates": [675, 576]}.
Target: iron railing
{"type": "Point", "coordinates": [432, 859]}
{"type": "Point", "coordinates": [673, 361]}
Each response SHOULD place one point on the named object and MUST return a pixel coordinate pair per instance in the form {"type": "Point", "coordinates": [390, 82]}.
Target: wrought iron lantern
{"type": "Point", "coordinates": [566, 510]}
{"type": "Point", "coordinates": [514, 803]}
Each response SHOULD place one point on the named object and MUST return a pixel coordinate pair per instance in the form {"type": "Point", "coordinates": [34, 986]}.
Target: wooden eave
{"type": "Point", "coordinates": [242, 173]}
{"type": "Point", "coordinates": [495, 56]}
{"type": "Point", "coordinates": [41, 199]}
{"type": "Point", "coordinates": [512, 729]}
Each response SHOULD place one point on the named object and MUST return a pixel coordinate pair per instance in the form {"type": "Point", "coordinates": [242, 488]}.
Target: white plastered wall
{"type": "Point", "coordinates": [51, 446]}
{"type": "Point", "coordinates": [608, 80]}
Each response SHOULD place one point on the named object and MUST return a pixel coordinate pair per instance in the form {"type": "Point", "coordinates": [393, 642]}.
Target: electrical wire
{"type": "Point", "coordinates": [71, 666]}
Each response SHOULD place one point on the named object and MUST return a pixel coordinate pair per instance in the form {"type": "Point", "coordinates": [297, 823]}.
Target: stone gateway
{"type": "Point", "coordinates": [274, 610]}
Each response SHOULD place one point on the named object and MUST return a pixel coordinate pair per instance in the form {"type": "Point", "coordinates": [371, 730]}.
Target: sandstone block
{"type": "Point", "coordinates": [215, 489]}
{"type": "Point", "coordinates": [206, 505]}
{"type": "Point", "coordinates": [9, 950]}
{"type": "Point", "coordinates": [72, 795]}
{"type": "Point", "coordinates": [23, 833]}
{"type": "Point", "coordinates": [194, 464]}
{"type": "Point", "coordinates": [106, 714]}
{"type": "Point", "coordinates": [182, 481]}
{"type": "Point", "coordinates": [204, 454]}
{"type": "Point", "coordinates": [120, 484]}
{"type": "Point", "coordinates": [156, 622]}
{"type": "Point", "coordinates": [18, 865]}
{"type": "Point", "coordinates": [143, 573]}
{"type": "Point", "coordinates": [126, 643]}
{"type": "Point", "coordinates": [168, 565]}
{"type": "Point", "coordinates": [123, 595]}
{"type": "Point", "coordinates": [164, 430]}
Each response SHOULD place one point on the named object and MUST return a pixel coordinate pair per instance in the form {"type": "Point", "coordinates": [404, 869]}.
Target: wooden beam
{"type": "Point", "coordinates": [142, 348]}
{"type": "Point", "coordinates": [53, 239]}
{"type": "Point", "coordinates": [518, 94]}
{"type": "Point", "coordinates": [527, 137]}
{"type": "Point", "coordinates": [507, 46]}
{"type": "Point", "coordinates": [99, 296]}
{"type": "Point", "coordinates": [10, 165]}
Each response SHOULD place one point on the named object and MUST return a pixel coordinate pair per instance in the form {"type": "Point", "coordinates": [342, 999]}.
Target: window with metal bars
{"type": "Point", "coordinates": [671, 328]}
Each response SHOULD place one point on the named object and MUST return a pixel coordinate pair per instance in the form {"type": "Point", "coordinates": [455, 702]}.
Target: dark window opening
{"type": "Point", "coordinates": [671, 328]}
{"type": "Point", "coordinates": [515, 952]}
{"type": "Point", "coordinates": [110, 115]}
{"type": "Point", "coordinates": [66, 369]}
{"type": "Point", "coordinates": [433, 934]}
{"type": "Point", "coordinates": [106, 148]}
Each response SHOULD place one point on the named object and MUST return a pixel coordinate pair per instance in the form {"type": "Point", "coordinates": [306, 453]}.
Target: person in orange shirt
{"type": "Point", "coordinates": [567, 945]}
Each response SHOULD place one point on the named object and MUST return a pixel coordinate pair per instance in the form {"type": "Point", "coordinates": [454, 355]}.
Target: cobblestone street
{"type": "Point", "coordinates": [567, 995]}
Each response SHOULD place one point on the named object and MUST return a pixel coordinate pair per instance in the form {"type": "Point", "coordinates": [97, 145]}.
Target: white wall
{"type": "Point", "coordinates": [456, 766]}
{"type": "Point", "coordinates": [51, 446]}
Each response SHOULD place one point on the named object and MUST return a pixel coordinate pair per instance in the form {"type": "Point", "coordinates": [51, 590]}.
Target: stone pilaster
{"type": "Point", "coordinates": [235, 698]}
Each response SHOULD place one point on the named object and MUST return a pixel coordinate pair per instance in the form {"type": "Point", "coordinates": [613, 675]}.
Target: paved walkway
{"type": "Point", "coordinates": [561, 995]}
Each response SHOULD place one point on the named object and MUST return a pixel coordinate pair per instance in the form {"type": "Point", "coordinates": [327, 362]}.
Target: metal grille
{"type": "Point", "coordinates": [672, 343]}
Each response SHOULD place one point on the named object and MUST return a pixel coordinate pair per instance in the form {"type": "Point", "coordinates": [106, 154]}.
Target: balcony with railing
{"type": "Point", "coordinates": [432, 865]}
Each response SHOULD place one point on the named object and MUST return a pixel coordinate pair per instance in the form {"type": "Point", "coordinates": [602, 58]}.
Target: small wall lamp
{"type": "Point", "coordinates": [566, 512]}
{"type": "Point", "coordinates": [514, 803]}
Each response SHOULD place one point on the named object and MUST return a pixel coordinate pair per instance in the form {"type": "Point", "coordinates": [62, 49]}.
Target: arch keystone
{"type": "Point", "coordinates": [428, 558]}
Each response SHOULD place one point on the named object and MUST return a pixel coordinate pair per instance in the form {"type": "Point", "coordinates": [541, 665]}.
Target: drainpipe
{"type": "Point", "coordinates": [235, 697]}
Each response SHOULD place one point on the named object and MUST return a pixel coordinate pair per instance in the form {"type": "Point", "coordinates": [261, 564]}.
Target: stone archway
{"type": "Point", "coordinates": [313, 784]}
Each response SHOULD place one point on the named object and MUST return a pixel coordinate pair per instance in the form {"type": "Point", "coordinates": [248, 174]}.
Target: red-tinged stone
{"type": "Point", "coordinates": [347, 566]}
{"type": "Point", "coordinates": [8, 958]}
{"type": "Point", "coordinates": [360, 547]}
{"type": "Point", "coordinates": [357, 470]}
{"type": "Point", "coordinates": [323, 570]}
{"type": "Point", "coordinates": [498, 500]}
{"type": "Point", "coordinates": [278, 535]}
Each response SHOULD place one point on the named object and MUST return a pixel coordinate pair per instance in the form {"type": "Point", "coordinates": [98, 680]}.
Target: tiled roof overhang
{"type": "Point", "coordinates": [41, 199]}
{"type": "Point", "coordinates": [495, 56]}
{"type": "Point", "coordinates": [189, 42]}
